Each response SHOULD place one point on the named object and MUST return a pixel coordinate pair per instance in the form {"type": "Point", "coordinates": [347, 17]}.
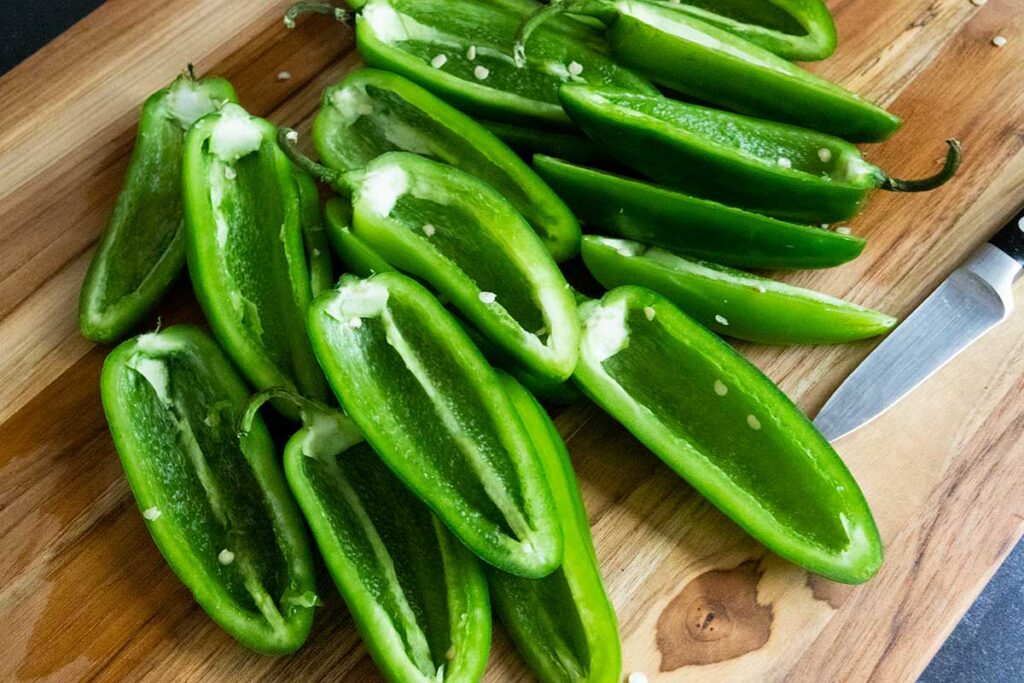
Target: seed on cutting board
{"type": "Point", "coordinates": [999, 41]}
{"type": "Point", "coordinates": [843, 230]}
{"type": "Point", "coordinates": [284, 76]}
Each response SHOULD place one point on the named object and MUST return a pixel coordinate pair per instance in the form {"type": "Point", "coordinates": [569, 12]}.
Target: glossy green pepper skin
{"type": "Point", "coordinates": [771, 168]}
{"type": "Point", "coordinates": [356, 256]}
{"type": "Point", "coordinates": [679, 51]}
{"type": "Point", "coordinates": [723, 426]}
{"type": "Point", "coordinates": [246, 249]}
{"type": "Point", "coordinates": [373, 112]}
{"type": "Point", "coordinates": [689, 225]}
{"type": "Point", "coordinates": [800, 30]}
{"type": "Point", "coordinates": [217, 505]}
{"type": "Point", "coordinates": [430, 43]}
{"type": "Point", "coordinates": [314, 236]}
{"type": "Point", "coordinates": [459, 235]}
{"type": "Point", "coordinates": [142, 249]}
{"type": "Point", "coordinates": [418, 596]}
{"type": "Point", "coordinates": [563, 624]}
{"type": "Point", "coordinates": [435, 411]}
{"type": "Point", "coordinates": [731, 302]}
{"type": "Point", "coordinates": [570, 146]}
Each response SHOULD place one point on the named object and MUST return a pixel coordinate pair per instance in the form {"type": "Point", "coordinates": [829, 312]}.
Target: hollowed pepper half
{"type": "Point", "coordinates": [373, 112]}
{"type": "Point", "coordinates": [247, 249]}
{"type": "Point", "coordinates": [418, 596]}
{"type": "Point", "coordinates": [462, 52]}
{"type": "Point", "coordinates": [436, 412]}
{"type": "Point", "coordinates": [772, 168]}
{"type": "Point", "coordinates": [701, 228]}
{"type": "Point", "coordinates": [731, 302]}
{"type": "Point", "coordinates": [217, 505]}
{"type": "Point", "coordinates": [142, 250]}
{"type": "Point", "coordinates": [563, 624]}
{"type": "Point", "coordinates": [677, 50]}
{"type": "Point", "coordinates": [719, 423]}
{"type": "Point", "coordinates": [462, 237]}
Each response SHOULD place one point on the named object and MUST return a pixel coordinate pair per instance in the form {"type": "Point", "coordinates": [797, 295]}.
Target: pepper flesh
{"type": "Point", "coordinates": [800, 30]}
{"type": "Point", "coordinates": [314, 236]}
{"type": "Point", "coordinates": [727, 429]}
{"type": "Point", "coordinates": [689, 225]}
{"type": "Point", "coordinates": [566, 145]}
{"type": "Point", "coordinates": [418, 596]}
{"type": "Point", "coordinates": [373, 112]}
{"type": "Point", "coordinates": [435, 411]}
{"type": "Point", "coordinates": [246, 251]}
{"type": "Point", "coordinates": [410, 37]}
{"type": "Point", "coordinates": [563, 624]}
{"type": "Point", "coordinates": [216, 505]}
{"type": "Point", "coordinates": [731, 302]}
{"type": "Point", "coordinates": [142, 249]}
{"type": "Point", "coordinates": [357, 257]}
{"type": "Point", "coordinates": [772, 168]}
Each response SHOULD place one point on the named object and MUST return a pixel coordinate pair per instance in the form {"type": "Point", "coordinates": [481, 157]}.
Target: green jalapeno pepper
{"type": "Point", "coordinates": [800, 30]}
{"type": "Point", "coordinates": [246, 251]}
{"type": "Point", "coordinates": [697, 227]}
{"type": "Point", "coordinates": [142, 250]}
{"type": "Point", "coordinates": [372, 112]}
{"type": "Point", "coordinates": [697, 59]}
{"type": "Point", "coordinates": [723, 426]}
{"type": "Point", "coordinates": [731, 302]}
{"type": "Point", "coordinates": [217, 505]}
{"type": "Point", "coordinates": [314, 236]}
{"type": "Point", "coordinates": [435, 411]}
{"type": "Point", "coordinates": [418, 597]}
{"type": "Point", "coordinates": [563, 624]}
{"type": "Point", "coordinates": [771, 168]}
{"type": "Point", "coordinates": [566, 145]}
{"type": "Point", "coordinates": [357, 257]}
{"type": "Point", "coordinates": [462, 237]}
{"type": "Point", "coordinates": [462, 52]}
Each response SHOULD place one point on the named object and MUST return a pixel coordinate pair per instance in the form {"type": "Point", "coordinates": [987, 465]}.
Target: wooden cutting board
{"type": "Point", "coordinates": [84, 592]}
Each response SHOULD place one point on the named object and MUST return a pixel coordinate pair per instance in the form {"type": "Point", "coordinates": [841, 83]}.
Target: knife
{"type": "Point", "coordinates": [976, 297]}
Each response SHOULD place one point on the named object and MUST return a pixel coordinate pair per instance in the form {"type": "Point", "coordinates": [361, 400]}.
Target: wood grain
{"type": "Point", "coordinates": [85, 594]}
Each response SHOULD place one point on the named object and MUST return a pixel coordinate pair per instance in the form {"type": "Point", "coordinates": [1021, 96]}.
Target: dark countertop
{"type": "Point", "coordinates": [988, 644]}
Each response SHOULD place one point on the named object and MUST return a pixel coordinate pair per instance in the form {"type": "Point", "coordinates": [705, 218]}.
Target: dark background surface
{"type": "Point", "coordinates": [988, 644]}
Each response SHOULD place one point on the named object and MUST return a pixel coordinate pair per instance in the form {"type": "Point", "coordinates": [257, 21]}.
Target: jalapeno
{"type": "Point", "coordinates": [462, 52]}
{"type": "Point", "coordinates": [800, 30]}
{"type": "Point", "coordinates": [731, 302]}
{"type": "Point", "coordinates": [458, 234]}
{"type": "Point", "coordinates": [372, 112]}
{"type": "Point", "coordinates": [142, 250]}
{"type": "Point", "coordinates": [216, 505]}
{"type": "Point", "coordinates": [563, 624]}
{"type": "Point", "coordinates": [783, 171]}
{"type": "Point", "coordinates": [417, 596]}
{"type": "Point", "coordinates": [697, 227]}
{"type": "Point", "coordinates": [436, 412]}
{"type": "Point", "coordinates": [570, 146]}
{"type": "Point", "coordinates": [679, 51]}
{"type": "Point", "coordinates": [719, 423]}
{"type": "Point", "coordinates": [246, 252]}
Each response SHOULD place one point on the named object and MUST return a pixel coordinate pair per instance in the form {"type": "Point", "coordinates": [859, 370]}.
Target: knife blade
{"type": "Point", "coordinates": [976, 297]}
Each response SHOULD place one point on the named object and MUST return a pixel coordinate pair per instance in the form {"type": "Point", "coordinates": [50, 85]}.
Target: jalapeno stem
{"type": "Point", "coordinates": [286, 140]}
{"type": "Point", "coordinates": [949, 168]}
{"type": "Point", "coordinates": [300, 8]}
{"type": "Point", "coordinates": [311, 412]}
{"type": "Point", "coordinates": [526, 29]}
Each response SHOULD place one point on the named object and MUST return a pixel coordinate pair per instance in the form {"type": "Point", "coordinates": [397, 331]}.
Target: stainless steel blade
{"type": "Point", "coordinates": [974, 299]}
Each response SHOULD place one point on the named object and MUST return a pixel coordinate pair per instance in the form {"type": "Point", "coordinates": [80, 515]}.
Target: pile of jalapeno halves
{"type": "Point", "coordinates": [426, 473]}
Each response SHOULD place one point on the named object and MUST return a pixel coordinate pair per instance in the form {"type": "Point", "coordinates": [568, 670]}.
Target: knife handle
{"type": "Point", "coordinates": [1011, 239]}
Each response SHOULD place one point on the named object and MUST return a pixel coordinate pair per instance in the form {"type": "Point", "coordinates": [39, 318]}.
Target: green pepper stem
{"type": "Point", "coordinates": [953, 157]}
{"type": "Point", "coordinates": [286, 140]}
{"type": "Point", "coordinates": [300, 8]}
{"type": "Point", "coordinates": [599, 9]}
{"type": "Point", "coordinates": [191, 71]}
